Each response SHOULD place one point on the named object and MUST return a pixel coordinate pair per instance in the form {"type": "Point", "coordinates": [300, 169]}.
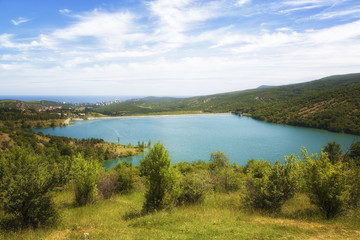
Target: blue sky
{"type": "Point", "coordinates": [172, 47]}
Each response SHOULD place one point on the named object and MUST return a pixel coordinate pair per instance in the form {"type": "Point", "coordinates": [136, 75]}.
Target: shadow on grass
{"type": "Point", "coordinates": [133, 214]}
{"type": "Point", "coordinates": [303, 214]}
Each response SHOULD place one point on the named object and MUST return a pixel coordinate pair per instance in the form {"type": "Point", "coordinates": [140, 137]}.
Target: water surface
{"type": "Point", "coordinates": [194, 137]}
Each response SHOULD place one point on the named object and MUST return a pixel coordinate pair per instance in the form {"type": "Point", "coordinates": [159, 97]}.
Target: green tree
{"type": "Point", "coordinates": [219, 160]}
{"type": "Point", "coordinates": [269, 189]}
{"type": "Point", "coordinates": [126, 177]}
{"type": "Point", "coordinates": [195, 186]}
{"type": "Point", "coordinates": [326, 184]}
{"type": "Point", "coordinates": [85, 175]}
{"type": "Point", "coordinates": [334, 151]}
{"type": "Point", "coordinates": [162, 179]}
{"type": "Point", "coordinates": [26, 181]}
{"type": "Point", "coordinates": [355, 152]}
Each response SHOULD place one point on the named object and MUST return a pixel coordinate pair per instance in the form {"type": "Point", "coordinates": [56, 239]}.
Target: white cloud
{"type": "Point", "coordinates": [6, 41]}
{"type": "Point", "coordinates": [242, 2]}
{"type": "Point", "coordinates": [300, 8]}
{"type": "Point", "coordinates": [172, 46]}
{"type": "Point", "coordinates": [335, 14]}
{"type": "Point", "coordinates": [176, 18]}
{"type": "Point", "coordinates": [19, 21]}
{"type": "Point", "coordinates": [111, 29]}
{"type": "Point", "coordinates": [64, 11]}
{"type": "Point", "coordinates": [309, 2]}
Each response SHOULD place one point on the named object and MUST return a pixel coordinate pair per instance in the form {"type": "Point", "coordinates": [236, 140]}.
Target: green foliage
{"type": "Point", "coordinates": [330, 103]}
{"type": "Point", "coordinates": [353, 181]}
{"type": "Point", "coordinates": [334, 151]}
{"type": "Point", "coordinates": [26, 181]}
{"type": "Point", "coordinates": [218, 161]}
{"type": "Point", "coordinates": [257, 168]}
{"type": "Point", "coordinates": [85, 175]}
{"type": "Point", "coordinates": [163, 189]}
{"type": "Point", "coordinates": [126, 177]}
{"type": "Point", "coordinates": [195, 186]}
{"type": "Point", "coordinates": [224, 176]}
{"type": "Point", "coordinates": [332, 109]}
{"type": "Point", "coordinates": [269, 186]}
{"type": "Point", "coordinates": [326, 184]}
{"type": "Point", "coordinates": [355, 152]}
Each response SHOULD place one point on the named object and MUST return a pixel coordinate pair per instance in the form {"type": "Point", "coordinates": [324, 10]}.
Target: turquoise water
{"type": "Point", "coordinates": [194, 137]}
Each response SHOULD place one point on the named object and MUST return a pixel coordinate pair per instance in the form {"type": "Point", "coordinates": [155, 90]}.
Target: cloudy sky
{"type": "Point", "coordinates": [172, 47]}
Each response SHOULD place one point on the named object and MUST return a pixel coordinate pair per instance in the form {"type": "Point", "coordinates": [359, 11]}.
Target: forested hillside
{"type": "Point", "coordinates": [330, 103]}
{"type": "Point", "coordinates": [336, 111]}
{"type": "Point", "coordinates": [30, 105]}
{"type": "Point", "coordinates": [233, 101]}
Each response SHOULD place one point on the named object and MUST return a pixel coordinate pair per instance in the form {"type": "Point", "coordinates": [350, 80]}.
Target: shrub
{"type": "Point", "coordinates": [107, 184]}
{"type": "Point", "coordinates": [84, 177]}
{"type": "Point", "coordinates": [162, 179]}
{"type": "Point", "coordinates": [194, 186]}
{"type": "Point", "coordinates": [25, 185]}
{"type": "Point", "coordinates": [126, 177]}
{"type": "Point", "coordinates": [353, 180]}
{"type": "Point", "coordinates": [355, 152]}
{"type": "Point", "coordinates": [334, 151]}
{"type": "Point", "coordinates": [269, 189]}
{"type": "Point", "coordinates": [326, 184]}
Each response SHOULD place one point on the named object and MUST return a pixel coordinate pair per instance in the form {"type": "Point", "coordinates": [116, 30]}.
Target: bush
{"type": "Point", "coordinates": [194, 187]}
{"type": "Point", "coordinates": [162, 180]}
{"type": "Point", "coordinates": [326, 184]}
{"type": "Point", "coordinates": [353, 180]}
{"type": "Point", "coordinates": [25, 185]}
{"type": "Point", "coordinates": [107, 184]}
{"type": "Point", "coordinates": [334, 151]}
{"type": "Point", "coordinates": [85, 175]}
{"type": "Point", "coordinates": [126, 177]}
{"type": "Point", "coordinates": [270, 188]}
{"type": "Point", "coordinates": [222, 173]}
{"type": "Point", "coordinates": [355, 152]}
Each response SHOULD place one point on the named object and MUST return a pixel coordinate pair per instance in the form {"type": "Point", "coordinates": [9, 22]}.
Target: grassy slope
{"type": "Point", "coordinates": [220, 217]}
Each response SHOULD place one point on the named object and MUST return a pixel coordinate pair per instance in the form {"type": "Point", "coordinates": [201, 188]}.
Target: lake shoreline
{"type": "Point", "coordinates": [160, 115]}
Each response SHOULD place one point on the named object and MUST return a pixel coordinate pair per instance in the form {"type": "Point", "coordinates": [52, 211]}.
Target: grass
{"type": "Point", "coordinates": [221, 216]}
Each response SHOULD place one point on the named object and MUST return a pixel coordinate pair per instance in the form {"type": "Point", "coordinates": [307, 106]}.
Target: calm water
{"type": "Point", "coordinates": [190, 138]}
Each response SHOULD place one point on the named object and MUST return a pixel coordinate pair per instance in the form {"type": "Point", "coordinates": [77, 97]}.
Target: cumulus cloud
{"type": "Point", "coordinates": [180, 43]}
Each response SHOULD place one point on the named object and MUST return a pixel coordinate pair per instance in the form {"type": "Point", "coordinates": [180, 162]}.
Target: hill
{"type": "Point", "coordinates": [268, 104]}
{"type": "Point", "coordinates": [336, 111]}
{"type": "Point", "coordinates": [31, 105]}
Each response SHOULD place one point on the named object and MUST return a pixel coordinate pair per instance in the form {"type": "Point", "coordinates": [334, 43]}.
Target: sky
{"type": "Point", "coordinates": [172, 47]}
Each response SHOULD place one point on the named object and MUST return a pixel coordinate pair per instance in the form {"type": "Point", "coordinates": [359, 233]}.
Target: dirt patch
{"type": "Point", "coordinates": [318, 107]}
{"type": "Point", "coordinates": [4, 138]}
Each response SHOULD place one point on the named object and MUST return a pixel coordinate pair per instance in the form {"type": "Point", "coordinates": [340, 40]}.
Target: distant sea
{"type": "Point", "coordinates": [67, 99]}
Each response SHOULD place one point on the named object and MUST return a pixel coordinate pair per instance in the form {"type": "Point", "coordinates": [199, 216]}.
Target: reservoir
{"type": "Point", "coordinates": [195, 137]}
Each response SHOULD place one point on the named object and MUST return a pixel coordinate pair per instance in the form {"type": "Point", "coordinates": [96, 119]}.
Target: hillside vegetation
{"type": "Point", "coordinates": [56, 188]}
{"type": "Point", "coordinates": [317, 198]}
{"type": "Point", "coordinates": [27, 105]}
{"type": "Point", "coordinates": [336, 111]}
{"type": "Point", "coordinates": [330, 103]}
